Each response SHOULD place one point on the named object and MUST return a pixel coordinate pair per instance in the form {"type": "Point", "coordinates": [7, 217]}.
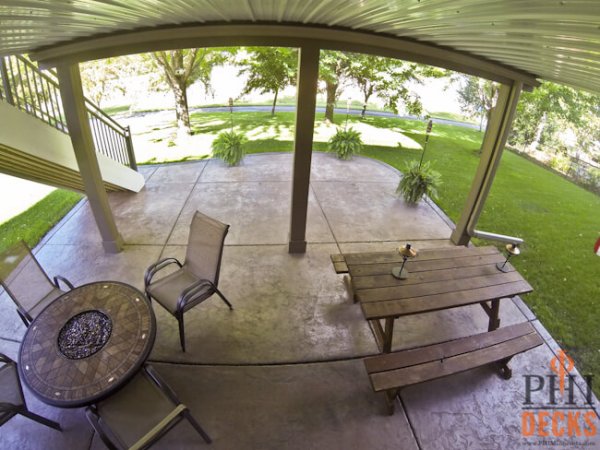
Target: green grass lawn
{"type": "Point", "coordinates": [31, 225]}
{"type": "Point", "coordinates": [558, 220]}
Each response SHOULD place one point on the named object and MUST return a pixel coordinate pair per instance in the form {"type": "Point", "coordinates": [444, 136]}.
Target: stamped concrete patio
{"type": "Point", "coordinates": [284, 369]}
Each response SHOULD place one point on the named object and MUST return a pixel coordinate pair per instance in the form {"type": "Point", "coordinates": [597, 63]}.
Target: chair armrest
{"type": "Point", "coordinates": [58, 278]}
{"type": "Point", "coordinates": [190, 292]}
{"type": "Point", "coordinates": [5, 358]}
{"type": "Point", "coordinates": [160, 428]}
{"type": "Point", "coordinates": [154, 268]}
{"type": "Point", "coordinates": [162, 385]}
{"type": "Point", "coordinates": [94, 420]}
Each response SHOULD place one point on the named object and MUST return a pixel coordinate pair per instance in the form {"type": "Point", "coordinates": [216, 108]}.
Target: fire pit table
{"type": "Point", "coordinates": [87, 343]}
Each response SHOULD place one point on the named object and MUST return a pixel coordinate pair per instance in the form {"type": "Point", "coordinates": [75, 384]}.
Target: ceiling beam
{"type": "Point", "coordinates": [217, 35]}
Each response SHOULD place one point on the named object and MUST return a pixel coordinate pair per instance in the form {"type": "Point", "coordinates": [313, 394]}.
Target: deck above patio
{"type": "Point", "coordinates": [284, 369]}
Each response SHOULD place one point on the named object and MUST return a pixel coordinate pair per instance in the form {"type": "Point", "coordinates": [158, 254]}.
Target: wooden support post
{"type": "Point", "coordinates": [492, 148]}
{"type": "Point", "coordinates": [72, 98]}
{"type": "Point", "coordinates": [306, 99]}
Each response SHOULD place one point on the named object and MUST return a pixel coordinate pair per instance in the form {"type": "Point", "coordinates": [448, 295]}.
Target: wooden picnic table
{"type": "Point", "coordinates": [439, 279]}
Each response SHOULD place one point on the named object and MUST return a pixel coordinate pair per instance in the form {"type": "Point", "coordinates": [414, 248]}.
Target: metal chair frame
{"type": "Point", "coordinates": [112, 441]}
{"type": "Point", "coordinates": [193, 294]}
{"type": "Point", "coordinates": [9, 410]}
{"type": "Point", "coordinates": [55, 281]}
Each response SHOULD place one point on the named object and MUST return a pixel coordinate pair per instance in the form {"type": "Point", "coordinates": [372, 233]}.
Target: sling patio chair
{"type": "Point", "coordinates": [12, 401]}
{"type": "Point", "coordinates": [26, 282]}
{"type": "Point", "coordinates": [140, 413]}
{"type": "Point", "coordinates": [197, 278]}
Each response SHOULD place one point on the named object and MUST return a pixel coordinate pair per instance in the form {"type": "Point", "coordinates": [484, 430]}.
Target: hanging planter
{"type": "Point", "coordinates": [346, 143]}
{"type": "Point", "coordinates": [229, 145]}
{"type": "Point", "coordinates": [419, 178]}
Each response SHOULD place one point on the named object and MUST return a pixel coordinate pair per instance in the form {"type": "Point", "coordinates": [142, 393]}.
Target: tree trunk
{"type": "Point", "coordinates": [367, 95]}
{"type": "Point", "coordinates": [274, 102]}
{"type": "Point", "coordinates": [181, 109]}
{"type": "Point", "coordinates": [538, 134]}
{"type": "Point", "coordinates": [331, 89]}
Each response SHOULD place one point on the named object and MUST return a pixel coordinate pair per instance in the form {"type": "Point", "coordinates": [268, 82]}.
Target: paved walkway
{"type": "Point", "coordinates": [284, 369]}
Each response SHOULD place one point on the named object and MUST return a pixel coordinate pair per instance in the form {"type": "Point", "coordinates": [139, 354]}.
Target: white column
{"type": "Point", "coordinates": [72, 98]}
{"type": "Point", "coordinates": [306, 99]}
{"type": "Point", "coordinates": [491, 153]}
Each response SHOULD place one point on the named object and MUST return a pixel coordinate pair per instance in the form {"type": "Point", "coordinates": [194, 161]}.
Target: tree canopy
{"type": "Point", "coordinates": [476, 96]}
{"type": "Point", "coordinates": [269, 69]}
{"type": "Point", "coordinates": [390, 78]}
{"type": "Point", "coordinates": [551, 109]}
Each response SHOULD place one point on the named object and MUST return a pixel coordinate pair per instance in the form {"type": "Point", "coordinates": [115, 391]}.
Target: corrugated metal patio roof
{"type": "Point", "coordinates": [553, 40]}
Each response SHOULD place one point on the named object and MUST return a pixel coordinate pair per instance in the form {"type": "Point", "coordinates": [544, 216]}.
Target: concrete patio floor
{"type": "Point", "coordinates": [284, 369]}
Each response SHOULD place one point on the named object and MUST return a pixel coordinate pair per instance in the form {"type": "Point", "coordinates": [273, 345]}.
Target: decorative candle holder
{"type": "Point", "coordinates": [511, 250]}
{"type": "Point", "coordinates": [406, 252]}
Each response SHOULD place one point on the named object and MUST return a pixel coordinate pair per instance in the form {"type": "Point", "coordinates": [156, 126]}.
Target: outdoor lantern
{"type": "Point", "coordinates": [511, 250]}
{"type": "Point", "coordinates": [406, 252]}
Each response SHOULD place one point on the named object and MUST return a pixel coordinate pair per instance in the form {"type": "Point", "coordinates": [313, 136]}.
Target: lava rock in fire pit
{"type": "Point", "coordinates": [84, 334]}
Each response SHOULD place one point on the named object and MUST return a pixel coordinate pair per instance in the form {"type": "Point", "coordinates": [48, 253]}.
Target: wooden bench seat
{"type": "Point", "coordinates": [392, 371]}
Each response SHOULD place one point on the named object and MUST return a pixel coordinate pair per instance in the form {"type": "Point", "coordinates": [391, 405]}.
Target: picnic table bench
{"type": "Point", "coordinates": [438, 279]}
{"type": "Point", "coordinates": [390, 372]}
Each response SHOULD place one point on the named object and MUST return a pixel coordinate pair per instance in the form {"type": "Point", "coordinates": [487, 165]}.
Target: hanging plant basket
{"type": "Point", "coordinates": [346, 143]}
{"type": "Point", "coordinates": [419, 180]}
{"type": "Point", "coordinates": [229, 146]}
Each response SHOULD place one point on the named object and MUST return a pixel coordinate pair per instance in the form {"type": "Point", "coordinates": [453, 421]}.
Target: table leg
{"type": "Point", "coordinates": [378, 333]}
{"type": "Point", "coordinates": [348, 284]}
{"type": "Point", "coordinates": [388, 334]}
{"type": "Point", "coordinates": [494, 319]}
{"type": "Point", "coordinates": [390, 400]}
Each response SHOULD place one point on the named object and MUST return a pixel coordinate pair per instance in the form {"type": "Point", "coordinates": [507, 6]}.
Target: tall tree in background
{"type": "Point", "coordinates": [333, 70]}
{"type": "Point", "coordinates": [390, 80]}
{"type": "Point", "coordinates": [269, 69]}
{"type": "Point", "coordinates": [182, 68]}
{"type": "Point", "coordinates": [551, 109]}
{"type": "Point", "coordinates": [476, 96]}
{"type": "Point", "coordinates": [104, 76]}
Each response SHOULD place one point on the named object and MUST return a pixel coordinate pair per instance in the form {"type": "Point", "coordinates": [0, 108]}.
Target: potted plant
{"type": "Point", "coordinates": [229, 145]}
{"type": "Point", "coordinates": [346, 143]}
{"type": "Point", "coordinates": [419, 180]}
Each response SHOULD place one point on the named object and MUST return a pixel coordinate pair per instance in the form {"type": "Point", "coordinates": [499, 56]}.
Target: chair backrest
{"type": "Point", "coordinates": [11, 392]}
{"type": "Point", "coordinates": [23, 278]}
{"type": "Point", "coordinates": [205, 247]}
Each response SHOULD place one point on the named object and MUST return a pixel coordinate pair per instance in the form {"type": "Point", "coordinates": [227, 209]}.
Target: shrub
{"type": "Point", "coordinates": [229, 146]}
{"type": "Point", "coordinates": [418, 181]}
{"type": "Point", "coordinates": [561, 163]}
{"type": "Point", "coordinates": [346, 143]}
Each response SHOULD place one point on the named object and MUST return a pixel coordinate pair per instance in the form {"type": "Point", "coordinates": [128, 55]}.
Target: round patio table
{"type": "Point", "coordinates": [87, 343]}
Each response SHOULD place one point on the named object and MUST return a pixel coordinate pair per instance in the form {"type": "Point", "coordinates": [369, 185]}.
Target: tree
{"type": "Point", "coordinates": [333, 70]}
{"type": "Point", "coordinates": [548, 111]}
{"type": "Point", "coordinates": [182, 68]}
{"type": "Point", "coordinates": [102, 76]}
{"type": "Point", "coordinates": [389, 78]}
{"type": "Point", "coordinates": [476, 96]}
{"type": "Point", "coordinates": [269, 69]}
